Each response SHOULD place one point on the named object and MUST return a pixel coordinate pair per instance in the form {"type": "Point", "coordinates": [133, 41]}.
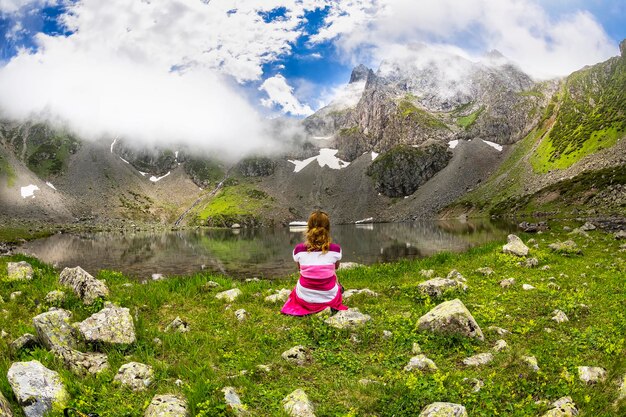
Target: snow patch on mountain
{"type": "Point", "coordinates": [325, 158]}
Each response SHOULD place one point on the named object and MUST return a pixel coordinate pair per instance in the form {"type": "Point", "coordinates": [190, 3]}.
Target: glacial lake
{"type": "Point", "coordinates": [261, 252]}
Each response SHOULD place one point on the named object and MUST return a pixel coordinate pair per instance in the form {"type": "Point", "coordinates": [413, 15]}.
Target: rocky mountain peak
{"type": "Point", "coordinates": [494, 54]}
{"type": "Point", "coordinates": [622, 48]}
{"type": "Point", "coordinates": [359, 73]}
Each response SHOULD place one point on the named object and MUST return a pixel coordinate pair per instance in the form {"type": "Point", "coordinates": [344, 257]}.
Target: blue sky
{"type": "Point", "coordinates": [82, 61]}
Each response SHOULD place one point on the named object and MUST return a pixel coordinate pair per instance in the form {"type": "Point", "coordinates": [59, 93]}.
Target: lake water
{"type": "Point", "coordinates": [263, 252]}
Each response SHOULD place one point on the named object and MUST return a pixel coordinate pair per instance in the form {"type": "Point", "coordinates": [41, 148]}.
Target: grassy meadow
{"type": "Point", "coordinates": [220, 351]}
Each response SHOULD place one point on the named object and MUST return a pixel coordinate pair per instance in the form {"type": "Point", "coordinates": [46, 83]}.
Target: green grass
{"type": "Point", "coordinates": [237, 201]}
{"type": "Point", "coordinates": [7, 172]}
{"type": "Point", "coordinates": [544, 159]}
{"type": "Point", "coordinates": [467, 121]}
{"type": "Point", "coordinates": [408, 110]}
{"type": "Point", "coordinates": [14, 234]}
{"type": "Point", "coordinates": [218, 347]}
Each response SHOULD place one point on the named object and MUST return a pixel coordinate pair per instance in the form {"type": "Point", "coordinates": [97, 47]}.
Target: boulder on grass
{"type": "Point", "coordinates": [54, 329]}
{"type": "Point", "coordinates": [348, 319]}
{"type": "Point", "coordinates": [167, 405]}
{"type": "Point", "coordinates": [444, 410]}
{"type": "Point", "coordinates": [135, 375]}
{"type": "Point", "coordinates": [111, 325]}
{"type": "Point", "coordinates": [38, 390]}
{"type": "Point", "coordinates": [86, 287]}
{"type": "Point", "coordinates": [515, 246]}
{"type": "Point", "coordinates": [563, 407]}
{"type": "Point", "coordinates": [451, 317]}
{"type": "Point", "coordinates": [437, 286]}
{"type": "Point", "coordinates": [297, 404]}
{"type": "Point", "coordinates": [19, 271]}
{"type": "Point", "coordinates": [80, 363]}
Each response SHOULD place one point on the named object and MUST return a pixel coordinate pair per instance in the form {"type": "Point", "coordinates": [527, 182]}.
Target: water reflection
{"type": "Point", "coordinates": [253, 252]}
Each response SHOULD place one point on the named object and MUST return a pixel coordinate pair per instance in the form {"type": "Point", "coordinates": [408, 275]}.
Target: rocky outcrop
{"type": "Point", "coordinates": [81, 363]}
{"type": "Point", "coordinates": [135, 375]}
{"type": "Point", "coordinates": [167, 405]}
{"type": "Point", "coordinates": [451, 317]}
{"type": "Point", "coordinates": [54, 329]}
{"type": "Point", "coordinates": [444, 410]}
{"type": "Point", "coordinates": [19, 271]}
{"type": "Point", "coordinates": [403, 169]}
{"type": "Point", "coordinates": [256, 167]}
{"type": "Point", "coordinates": [111, 325]}
{"type": "Point", "coordinates": [297, 404]}
{"type": "Point", "coordinates": [86, 287]}
{"type": "Point", "coordinates": [38, 390]}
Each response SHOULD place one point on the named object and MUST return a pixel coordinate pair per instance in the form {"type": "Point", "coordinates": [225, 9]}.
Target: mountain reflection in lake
{"type": "Point", "coordinates": [264, 252]}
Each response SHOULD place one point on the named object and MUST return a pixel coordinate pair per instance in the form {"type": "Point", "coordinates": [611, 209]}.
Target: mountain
{"type": "Point", "coordinates": [425, 132]}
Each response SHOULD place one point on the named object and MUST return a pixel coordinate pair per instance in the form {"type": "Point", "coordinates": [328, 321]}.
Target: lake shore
{"type": "Point", "coordinates": [360, 371]}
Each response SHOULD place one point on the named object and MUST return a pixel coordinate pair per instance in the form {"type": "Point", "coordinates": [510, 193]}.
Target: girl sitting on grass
{"type": "Point", "coordinates": [317, 259]}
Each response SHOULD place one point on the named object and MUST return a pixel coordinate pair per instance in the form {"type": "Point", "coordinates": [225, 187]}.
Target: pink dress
{"type": "Point", "coordinates": [317, 287]}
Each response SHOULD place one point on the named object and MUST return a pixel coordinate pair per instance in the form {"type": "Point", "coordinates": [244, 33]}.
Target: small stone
{"type": "Point", "coordinates": [437, 286]}
{"type": "Point", "coordinates": [26, 341]}
{"type": "Point", "coordinates": [530, 263]}
{"type": "Point", "coordinates": [415, 349]}
{"type": "Point", "coordinates": [620, 235]}
{"type": "Point", "coordinates": [5, 409]}
{"type": "Point", "coordinates": [500, 345]}
{"type": "Point", "coordinates": [177, 325]}
{"type": "Point", "coordinates": [327, 312]}
{"type": "Point", "coordinates": [508, 282]}
{"type": "Point", "coordinates": [545, 267]}
{"type": "Point", "coordinates": [137, 376]}
{"type": "Point", "coordinates": [591, 374]}
{"type": "Point", "coordinates": [422, 363]}
{"type": "Point", "coordinates": [19, 271]}
{"type": "Point", "coordinates": [547, 330]}
{"type": "Point", "coordinates": [297, 404]}
{"type": "Point", "coordinates": [588, 227]}
{"type": "Point", "coordinates": [348, 319]}
{"type": "Point", "coordinates": [211, 284]}
{"type": "Point", "coordinates": [349, 293]}
{"type": "Point", "coordinates": [486, 271]}
{"type": "Point", "coordinates": [241, 314]}
{"type": "Point", "coordinates": [81, 363]}
{"type": "Point", "coordinates": [229, 295]}
{"type": "Point", "coordinates": [349, 265]}
{"type": "Point", "coordinates": [443, 410]}
{"type": "Point", "coordinates": [157, 341]}
{"type": "Point", "coordinates": [568, 247]}
{"type": "Point", "coordinates": [531, 361]}
{"type": "Point", "coordinates": [478, 360]}
{"type": "Point", "coordinates": [233, 402]}
{"type": "Point", "coordinates": [157, 277]}
{"type": "Point", "coordinates": [298, 355]}
{"type": "Point", "coordinates": [366, 382]}
{"type": "Point", "coordinates": [167, 405]}
{"type": "Point", "coordinates": [563, 407]}
{"type": "Point", "coordinates": [554, 286]}
{"type": "Point", "coordinates": [280, 295]}
{"type": "Point", "coordinates": [387, 334]}
{"type": "Point", "coordinates": [179, 383]}
{"type": "Point", "coordinates": [456, 275]}
{"type": "Point", "coordinates": [427, 273]}
{"type": "Point", "coordinates": [14, 295]}
{"type": "Point", "coordinates": [264, 368]}
{"type": "Point", "coordinates": [55, 297]}
{"type": "Point", "coordinates": [38, 390]}
{"type": "Point", "coordinates": [559, 316]}
{"type": "Point", "coordinates": [127, 285]}
{"type": "Point", "coordinates": [354, 338]}
{"type": "Point", "coordinates": [515, 246]}
{"type": "Point", "coordinates": [3, 334]}
{"type": "Point", "coordinates": [527, 287]}
{"type": "Point", "coordinates": [248, 280]}
{"type": "Point", "coordinates": [475, 383]}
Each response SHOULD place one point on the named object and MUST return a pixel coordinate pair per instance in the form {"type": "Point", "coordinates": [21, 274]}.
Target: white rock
{"type": "Point", "coordinates": [280, 295]}
{"type": "Point", "coordinates": [505, 283]}
{"type": "Point", "coordinates": [527, 287]}
{"type": "Point", "coordinates": [241, 314]}
{"type": "Point", "coordinates": [531, 361]}
{"type": "Point", "coordinates": [19, 271]}
{"type": "Point", "coordinates": [111, 325]}
{"type": "Point", "coordinates": [54, 329]}
{"type": "Point", "coordinates": [86, 287]}
{"type": "Point", "coordinates": [38, 390]}
{"type": "Point", "coordinates": [422, 363]}
{"type": "Point", "coordinates": [349, 293]}
{"type": "Point", "coordinates": [515, 246]}
{"type": "Point", "coordinates": [177, 325]}
{"type": "Point", "coordinates": [167, 405]}
{"type": "Point", "coordinates": [229, 295]}
{"type": "Point", "coordinates": [137, 376]}
{"type": "Point", "coordinates": [479, 359]}
{"type": "Point", "coordinates": [476, 384]}
{"type": "Point", "coordinates": [297, 404]}
{"type": "Point", "coordinates": [451, 317]}
{"type": "Point", "coordinates": [559, 316]}
{"type": "Point", "coordinates": [233, 402]}
{"type": "Point", "coordinates": [591, 374]}
{"type": "Point", "coordinates": [443, 410]}
{"type": "Point", "coordinates": [297, 354]}
{"type": "Point", "coordinates": [348, 319]}
{"type": "Point", "coordinates": [500, 345]}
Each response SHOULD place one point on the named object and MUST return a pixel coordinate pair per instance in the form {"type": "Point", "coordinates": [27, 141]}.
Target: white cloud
{"type": "Point", "coordinates": [522, 30]}
{"type": "Point", "coordinates": [280, 93]}
{"type": "Point", "coordinates": [155, 72]}
{"type": "Point", "coordinates": [12, 6]}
